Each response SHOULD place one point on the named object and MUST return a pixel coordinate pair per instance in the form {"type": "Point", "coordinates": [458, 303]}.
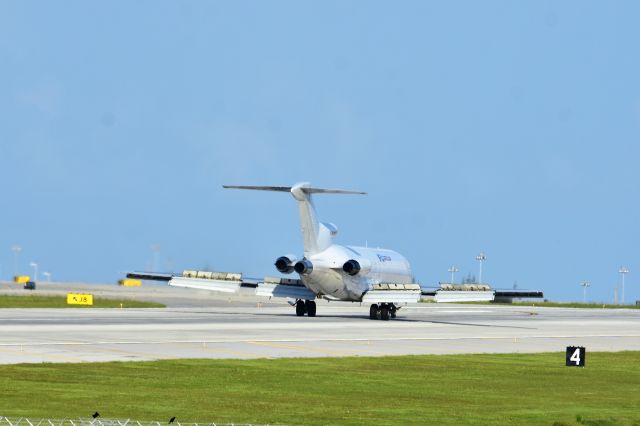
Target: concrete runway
{"type": "Point", "coordinates": [204, 326]}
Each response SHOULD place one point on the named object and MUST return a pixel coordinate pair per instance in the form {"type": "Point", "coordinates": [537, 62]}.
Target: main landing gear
{"type": "Point", "coordinates": [305, 307]}
{"type": "Point", "coordinates": [383, 311]}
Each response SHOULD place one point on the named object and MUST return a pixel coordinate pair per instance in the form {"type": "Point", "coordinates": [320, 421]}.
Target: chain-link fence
{"type": "Point", "coordinates": [25, 421]}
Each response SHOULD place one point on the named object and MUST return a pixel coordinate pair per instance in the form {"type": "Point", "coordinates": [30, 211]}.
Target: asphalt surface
{"type": "Point", "coordinates": [200, 325]}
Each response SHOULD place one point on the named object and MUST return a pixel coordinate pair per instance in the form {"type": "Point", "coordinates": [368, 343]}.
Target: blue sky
{"type": "Point", "coordinates": [502, 126]}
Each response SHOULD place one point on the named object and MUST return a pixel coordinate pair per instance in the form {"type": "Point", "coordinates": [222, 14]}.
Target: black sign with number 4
{"type": "Point", "coordinates": [576, 356]}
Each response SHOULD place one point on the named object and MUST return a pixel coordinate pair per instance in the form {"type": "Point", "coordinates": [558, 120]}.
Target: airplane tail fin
{"type": "Point", "coordinates": [316, 236]}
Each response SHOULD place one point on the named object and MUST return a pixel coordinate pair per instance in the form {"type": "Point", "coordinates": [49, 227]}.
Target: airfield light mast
{"type": "Point", "coordinates": [481, 258]}
{"type": "Point", "coordinates": [584, 285]}
{"type": "Point", "coordinates": [623, 271]}
{"type": "Point", "coordinates": [16, 251]}
{"type": "Point", "coordinates": [453, 270]}
{"type": "Point", "coordinates": [48, 275]}
{"type": "Point", "coordinates": [35, 270]}
{"type": "Point", "coordinates": [155, 248]}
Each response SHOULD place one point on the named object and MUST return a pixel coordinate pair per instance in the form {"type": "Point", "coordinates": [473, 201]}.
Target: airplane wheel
{"type": "Point", "coordinates": [311, 308]}
{"type": "Point", "coordinates": [300, 308]}
{"type": "Point", "coordinates": [384, 313]}
{"type": "Point", "coordinates": [393, 314]}
{"type": "Point", "coordinates": [392, 310]}
{"type": "Point", "coordinates": [373, 312]}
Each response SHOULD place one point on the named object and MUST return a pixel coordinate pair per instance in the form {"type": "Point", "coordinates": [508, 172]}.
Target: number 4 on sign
{"type": "Point", "coordinates": [575, 356]}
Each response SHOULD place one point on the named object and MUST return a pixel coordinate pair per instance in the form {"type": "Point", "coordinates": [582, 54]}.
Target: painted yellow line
{"type": "Point", "coordinates": [41, 355]}
{"type": "Point", "coordinates": [121, 351]}
{"type": "Point", "coordinates": [236, 353]}
{"type": "Point", "coordinates": [214, 348]}
{"type": "Point", "coordinates": [178, 346]}
{"type": "Point", "coordinates": [302, 348]}
{"type": "Point", "coordinates": [364, 343]}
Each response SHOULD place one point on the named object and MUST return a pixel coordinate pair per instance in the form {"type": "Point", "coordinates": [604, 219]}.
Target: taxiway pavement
{"type": "Point", "coordinates": [199, 325]}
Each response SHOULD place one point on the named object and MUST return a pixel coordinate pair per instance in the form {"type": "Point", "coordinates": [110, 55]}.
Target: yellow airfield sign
{"type": "Point", "coordinates": [79, 299]}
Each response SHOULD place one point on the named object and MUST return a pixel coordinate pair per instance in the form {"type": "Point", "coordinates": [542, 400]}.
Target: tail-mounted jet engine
{"type": "Point", "coordinates": [303, 267]}
{"type": "Point", "coordinates": [354, 267]}
{"type": "Point", "coordinates": [351, 267]}
{"type": "Point", "coordinates": [285, 264]}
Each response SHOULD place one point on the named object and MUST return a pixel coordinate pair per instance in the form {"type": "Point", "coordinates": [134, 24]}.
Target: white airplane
{"type": "Point", "coordinates": [346, 273]}
{"type": "Point", "coordinates": [378, 277]}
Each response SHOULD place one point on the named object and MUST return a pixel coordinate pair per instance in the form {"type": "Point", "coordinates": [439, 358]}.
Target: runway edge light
{"type": "Point", "coordinates": [575, 356]}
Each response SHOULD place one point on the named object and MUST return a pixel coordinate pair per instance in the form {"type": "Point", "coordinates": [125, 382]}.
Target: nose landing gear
{"type": "Point", "coordinates": [383, 311]}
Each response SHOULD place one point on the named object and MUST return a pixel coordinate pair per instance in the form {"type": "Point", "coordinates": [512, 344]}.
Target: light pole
{"type": "Point", "coordinates": [481, 258]}
{"type": "Point", "coordinates": [584, 285]}
{"type": "Point", "coordinates": [156, 252]}
{"type": "Point", "coordinates": [48, 275]}
{"type": "Point", "coordinates": [623, 270]}
{"type": "Point", "coordinates": [35, 271]}
{"type": "Point", "coordinates": [453, 270]}
{"type": "Point", "coordinates": [16, 251]}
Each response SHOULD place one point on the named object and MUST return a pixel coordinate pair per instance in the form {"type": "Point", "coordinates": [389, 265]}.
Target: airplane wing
{"type": "Point", "coordinates": [463, 296]}
{"type": "Point", "coordinates": [453, 293]}
{"type": "Point", "coordinates": [393, 293]}
{"type": "Point", "coordinates": [231, 283]}
{"type": "Point", "coordinates": [284, 287]}
{"type": "Point", "coordinates": [507, 296]}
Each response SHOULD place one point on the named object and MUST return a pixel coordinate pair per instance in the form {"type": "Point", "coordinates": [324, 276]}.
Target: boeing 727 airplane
{"type": "Point", "coordinates": [379, 278]}
{"type": "Point", "coordinates": [347, 273]}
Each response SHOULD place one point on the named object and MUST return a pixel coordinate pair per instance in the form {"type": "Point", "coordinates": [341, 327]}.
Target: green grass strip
{"type": "Point", "coordinates": [572, 305]}
{"type": "Point", "coordinates": [557, 305]}
{"type": "Point", "coordinates": [61, 302]}
{"type": "Point", "coordinates": [462, 389]}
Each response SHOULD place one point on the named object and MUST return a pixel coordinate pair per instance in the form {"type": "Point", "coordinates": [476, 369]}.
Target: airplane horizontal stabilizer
{"type": "Point", "coordinates": [314, 236]}
{"type": "Point", "coordinates": [308, 190]}
{"type": "Point", "coordinates": [259, 188]}
{"type": "Point", "coordinates": [331, 191]}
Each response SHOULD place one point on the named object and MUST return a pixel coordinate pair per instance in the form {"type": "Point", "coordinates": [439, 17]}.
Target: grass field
{"type": "Point", "coordinates": [61, 302]}
{"type": "Point", "coordinates": [461, 389]}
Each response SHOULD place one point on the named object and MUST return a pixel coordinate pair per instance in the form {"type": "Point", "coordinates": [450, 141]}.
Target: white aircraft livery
{"type": "Point", "coordinates": [377, 277]}
{"type": "Point", "coordinates": [338, 272]}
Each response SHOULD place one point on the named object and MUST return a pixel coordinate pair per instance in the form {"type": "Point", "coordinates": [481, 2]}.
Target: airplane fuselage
{"type": "Point", "coordinates": [375, 265]}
